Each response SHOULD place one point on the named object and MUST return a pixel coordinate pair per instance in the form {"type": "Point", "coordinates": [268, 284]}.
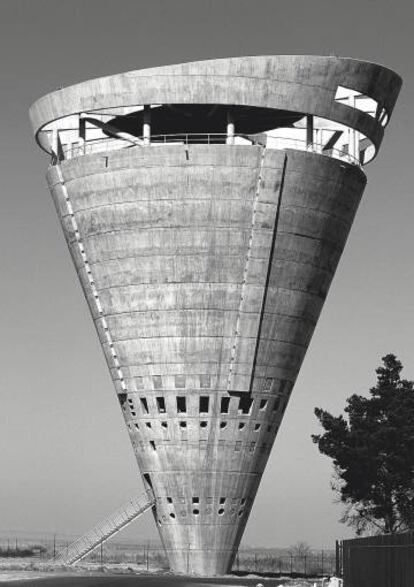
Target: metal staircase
{"type": "Point", "coordinates": [123, 516]}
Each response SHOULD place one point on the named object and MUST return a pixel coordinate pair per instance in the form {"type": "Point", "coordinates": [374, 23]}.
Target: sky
{"type": "Point", "coordinates": [65, 455]}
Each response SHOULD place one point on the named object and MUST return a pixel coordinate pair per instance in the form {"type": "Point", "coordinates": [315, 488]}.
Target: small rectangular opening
{"type": "Point", "coordinates": [276, 404]}
{"type": "Point", "coordinates": [245, 404]}
{"type": "Point", "coordinates": [144, 404]}
{"type": "Point", "coordinates": [164, 424]}
{"type": "Point", "coordinates": [157, 381]}
{"type": "Point", "coordinates": [196, 500]}
{"type": "Point", "coordinates": [268, 384]}
{"type": "Point", "coordinates": [204, 404]}
{"type": "Point", "coordinates": [263, 404]}
{"type": "Point", "coordinates": [147, 480]}
{"type": "Point", "coordinates": [169, 499]}
{"type": "Point", "coordinates": [180, 381]}
{"type": "Point", "coordinates": [152, 443]}
{"type": "Point", "coordinates": [160, 404]}
{"type": "Point", "coordinates": [222, 500]}
{"type": "Point", "coordinates": [183, 424]}
{"type": "Point", "coordinates": [181, 404]}
{"type": "Point", "coordinates": [205, 381]}
{"type": "Point", "coordinates": [225, 403]}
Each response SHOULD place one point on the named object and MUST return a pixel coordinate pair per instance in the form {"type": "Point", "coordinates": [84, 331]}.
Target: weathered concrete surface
{"type": "Point", "coordinates": [167, 239]}
{"type": "Point", "coordinates": [205, 268]}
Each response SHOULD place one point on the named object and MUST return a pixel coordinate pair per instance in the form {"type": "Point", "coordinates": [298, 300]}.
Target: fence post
{"type": "Point", "coordinates": [322, 561]}
{"type": "Point", "coordinates": [337, 564]}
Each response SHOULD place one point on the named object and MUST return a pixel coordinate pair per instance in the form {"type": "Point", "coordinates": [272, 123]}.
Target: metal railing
{"type": "Point", "coordinates": [106, 145]}
{"type": "Point", "coordinates": [106, 529]}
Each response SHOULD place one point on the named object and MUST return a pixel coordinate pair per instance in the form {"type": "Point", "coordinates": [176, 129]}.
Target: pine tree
{"type": "Point", "coordinates": [372, 448]}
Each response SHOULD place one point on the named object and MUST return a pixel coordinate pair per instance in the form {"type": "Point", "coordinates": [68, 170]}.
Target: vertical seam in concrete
{"type": "Point", "coordinates": [88, 271]}
{"type": "Point", "coordinates": [246, 269]}
{"type": "Point", "coordinates": [269, 270]}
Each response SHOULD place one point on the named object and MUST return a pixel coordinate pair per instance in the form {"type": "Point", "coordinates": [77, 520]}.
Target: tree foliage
{"type": "Point", "coordinates": [372, 448]}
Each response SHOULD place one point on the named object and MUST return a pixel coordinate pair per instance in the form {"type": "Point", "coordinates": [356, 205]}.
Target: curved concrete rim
{"type": "Point", "coordinates": [301, 83]}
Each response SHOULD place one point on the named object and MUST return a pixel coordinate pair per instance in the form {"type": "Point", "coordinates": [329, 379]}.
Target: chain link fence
{"type": "Point", "coordinates": [152, 557]}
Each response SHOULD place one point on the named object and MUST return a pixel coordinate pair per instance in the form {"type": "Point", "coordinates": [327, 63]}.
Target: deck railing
{"type": "Point", "coordinates": [106, 145]}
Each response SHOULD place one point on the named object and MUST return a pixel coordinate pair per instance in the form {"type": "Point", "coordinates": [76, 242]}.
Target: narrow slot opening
{"type": "Point", "coordinates": [276, 404]}
{"type": "Point", "coordinates": [144, 404]}
{"type": "Point", "coordinates": [147, 480]}
{"type": "Point", "coordinates": [204, 404]}
{"type": "Point", "coordinates": [152, 443]}
{"type": "Point", "coordinates": [225, 402]}
{"type": "Point", "coordinates": [161, 404]}
{"type": "Point", "coordinates": [181, 404]}
{"type": "Point", "coordinates": [263, 404]}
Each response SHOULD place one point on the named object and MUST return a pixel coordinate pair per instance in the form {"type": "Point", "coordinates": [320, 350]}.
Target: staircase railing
{"type": "Point", "coordinates": [112, 524]}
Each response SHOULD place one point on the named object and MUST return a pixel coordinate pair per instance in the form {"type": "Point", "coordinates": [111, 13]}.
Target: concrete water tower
{"type": "Point", "coordinates": [206, 206]}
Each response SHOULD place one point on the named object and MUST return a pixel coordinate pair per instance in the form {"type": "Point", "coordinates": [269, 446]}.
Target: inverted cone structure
{"type": "Point", "coordinates": [206, 258]}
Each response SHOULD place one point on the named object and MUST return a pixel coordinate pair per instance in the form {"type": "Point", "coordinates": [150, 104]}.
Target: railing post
{"type": "Point", "coordinates": [82, 133]}
{"type": "Point", "coordinates": [230, 128]}
{"type": "Point", "coordinates": [146, 126]}
{"type": "Point", "coordinates": [309, 132]}
{"type": "Point", "coordinates": [337, 562]}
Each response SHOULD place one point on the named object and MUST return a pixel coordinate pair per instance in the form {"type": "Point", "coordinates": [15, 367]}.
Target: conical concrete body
{"type": "Point", "coordinates": [205, 267]}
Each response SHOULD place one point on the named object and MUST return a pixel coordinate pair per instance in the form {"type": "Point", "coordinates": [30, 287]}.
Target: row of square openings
{"type": "Point", "coordinates": [244, 408]}
{"type": "Point", "coordinates": [180, 382]}
{"type": "Point", "coordinates": [203, 424]}
{"type": "Point", "coordinates": [251, 446]}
